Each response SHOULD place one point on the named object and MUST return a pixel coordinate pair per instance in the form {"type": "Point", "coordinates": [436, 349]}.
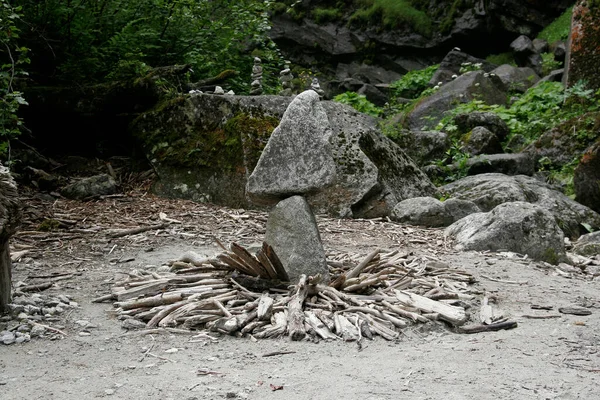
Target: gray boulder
{"type": "Point", "coordinates": [509, 164]}
{"type": "Point", "coordinates": [469, 86]}
{"type": "Point", "coordinates": [540, 45]}
{"type": "Point", "coordinates": [398, 178]}
{"type": "Point", "coordinates": [481, 141]}
{"type": "Point", "coordinates": [522, 47]}
{"type": "Point", "coordinates": [94, 186]}
{"type": "Point", "coordinates": [491, 190]}
{"type": "Point", "coordinates": [422, 211]}
{"type": "Point", "coordinates": [423, 146]}
{"type": "Point", "coordinates": [430, 212]}
{"type": "Point", "coordinates": [298, 156]}
{"type": "Point", "coordinates": [516, 79]}
{"type": "Point", "coordinates": [588, 245]}
{"type": "Point", "coordinates": [373, 94]}
{"type": "Point", "coordinates": [520, 227]}
{"type": "Point", "coordinates": [204, 148]}
{"type": "Point", "coordinates": [559, 49]}
{"type": "Point", "coordinates": [293, 233]}
{"type": "Point", "coordinates": [459, 208]}
{"type": "Point", "coordinates": [489, 120]}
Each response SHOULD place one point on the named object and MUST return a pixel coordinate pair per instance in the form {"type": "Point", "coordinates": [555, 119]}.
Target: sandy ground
{"type": "Point", "coordinates": [552, 358]}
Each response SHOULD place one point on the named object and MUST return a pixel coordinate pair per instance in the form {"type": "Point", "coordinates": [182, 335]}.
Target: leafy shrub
{"type": "Point", "coordinates": [12, 59]}
{"type": "Point", "coordinates": [559, 28]}
{"type": "Point", "coordinates": [501, 59]}
{"type": "Point", "coordinates": [469, 66]}
{"type": "Point", "coordinates": [413, 83]}
{"type": "Point", "coordinates": [549, 64]}
{"type": "Point", "coordinates": [97, 40]}
{"type": "Point", "coordinates": [359, 102]}
{"type": "Point", "coordinates": [323, 15]}
{"type": "Point", "coordinates": [539, 109]}
{"type": "Point", "coordinates": [391, 14]}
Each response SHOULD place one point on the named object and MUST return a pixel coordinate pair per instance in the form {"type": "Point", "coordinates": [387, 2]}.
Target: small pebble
{"type": "Point", "coordinates": [109, 392]}
{"type": "Point", "coordinates": [84, 333]}
{"type": "Point", "coordinates": [64, 299]}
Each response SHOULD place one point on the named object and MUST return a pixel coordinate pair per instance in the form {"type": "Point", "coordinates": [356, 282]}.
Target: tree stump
{"type": "Point", "coordinates": [10, 217]}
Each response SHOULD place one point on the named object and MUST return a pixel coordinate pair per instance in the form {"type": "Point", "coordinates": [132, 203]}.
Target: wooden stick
{"type": "Point", "coordinates": [488, 328]}
{"type": "Point", "coordinates": [358, 269]}
{"type": "Point", "coordinates": [35, 288]}
{"type": "Point", "coordinates": [158, 300]}
{"type": "Point", "coordinates": [153, 323]}
{"type": "Point", "coordinates": [222, 308]}
{"type": "Point", "coordinates": [454, 315]}
{"type": "Point", "coordinates": [295, 324]}
{"type": "Point", "coordinates": [275, 262]}
{"type": "Point", "coordinates": [264, 260]}
{"type": "Point", "coordinates": [134, 231]}
{"type": "Point", "coordinates": [277, 353]}
{"type": "Point", "coordinates": [250, 261]}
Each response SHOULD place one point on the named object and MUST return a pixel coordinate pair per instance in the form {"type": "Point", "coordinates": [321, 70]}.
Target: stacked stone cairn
{"type": "Point", "coordinates": [317, 88]}
{"type": "Point", "coordinates": [257, 74]}
{"type": "Point", "coordinates": [286, 77]}
{"type": "Point", "coordinates": [296, 161]}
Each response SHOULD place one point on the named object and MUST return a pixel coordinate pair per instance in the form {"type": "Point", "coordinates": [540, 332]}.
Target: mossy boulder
{"type": "Point", "coordinates": [204, 148]}
{"type": "Point", "coordinates": [568, 141]}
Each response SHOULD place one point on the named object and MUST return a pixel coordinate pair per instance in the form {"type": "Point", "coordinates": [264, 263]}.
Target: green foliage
{"type": "Point", "coordinates": [448, 20]}
{"type": "Point", "coordinates": [12, 59]}
{"type": "Point", "coordinates": [562, 176]}
{"type": "Point", "coordinates": [412, 84]}
{"type": "Point", "coordinates": [324, 15]}
{"type": "Point", "coordinates": [359, 102]}
{"type": "Point", "coordinates": [89, 41]}
{"type": "Point", "coordinates": [558, 29]}
{"type": "Point", "coordinates": [501, 59]}
{"type": "Point", "coordinates": [454, 164]}
{"type": "Point", "coordinates": [391, 14]}
{"type": "Point", "coordinates": [468, 67]}
{"type": "Point", "coordinates": [539, 109]}
{"type": "Point", "coordinates": [549, 64]}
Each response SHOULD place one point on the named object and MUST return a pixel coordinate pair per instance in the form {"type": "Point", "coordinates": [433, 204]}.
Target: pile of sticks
{"type": "Point", "coordinates": [241, 294]}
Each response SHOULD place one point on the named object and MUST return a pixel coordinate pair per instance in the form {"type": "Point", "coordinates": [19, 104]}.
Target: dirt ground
{"type": "Point", "coordinates": [549, 358]}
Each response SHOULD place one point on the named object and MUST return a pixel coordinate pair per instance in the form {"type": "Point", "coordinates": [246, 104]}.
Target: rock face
{"type": "Point", "coordinates": [293, 233]}
{"type": "Point", "coordinates": [480, 28]}
{"type": "Point", "coordinates": [517, 79]}
{"type": "Point", "coordinates": [430, 212]}
{"type": "Point", "coordinates": [517, 226]}
{"type": "Point", "coordinates": [204, 148]}
{"type": "Point", "coordinates": [491, 190]}
{"type": "Point", "coordinates": [465, 88]}
{"type": "Point", "coordinates": [90, 187]}
{"type": "Point", "coordinates": [298, 157]}
{"type": "Point", "coordinates": [583, 56]}
{"type": "Point", "coordinates": [587, 178]}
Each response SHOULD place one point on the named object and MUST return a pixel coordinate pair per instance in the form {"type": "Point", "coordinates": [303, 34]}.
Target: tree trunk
{"type": "Point", "coordinates": [5, 275]}
{"type": "Point", "coordinates": [10, 217]}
